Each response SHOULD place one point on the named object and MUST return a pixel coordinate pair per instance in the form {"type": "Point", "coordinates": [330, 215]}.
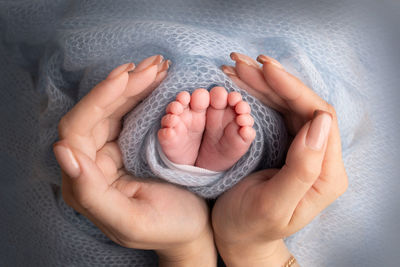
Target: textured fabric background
{"type": "Point", "coordinates": [53, 52]}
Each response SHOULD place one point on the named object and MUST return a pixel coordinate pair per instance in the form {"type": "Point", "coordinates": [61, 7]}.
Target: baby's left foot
{"type": "Point", "coordinates": [228, 132]}
{"type": "Point", "coordinates": [183, 126]}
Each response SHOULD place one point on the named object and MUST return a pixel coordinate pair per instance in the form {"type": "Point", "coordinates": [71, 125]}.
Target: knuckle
{"type": "Point", "coordinates": [83, 200]}
{"type": "Point", "coordinates": [273, 214]}
{"type": "Point", "coordinates": [307, 173]}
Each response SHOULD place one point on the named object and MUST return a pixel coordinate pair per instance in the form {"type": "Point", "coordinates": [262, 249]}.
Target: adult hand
{"type": "Point", "coordinates": [251, 220]}
{"type": "Point", "coordinates": [135, 213]}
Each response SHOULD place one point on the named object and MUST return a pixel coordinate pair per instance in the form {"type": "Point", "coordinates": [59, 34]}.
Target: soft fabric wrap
{"type": "Point", "coordinates": [52, 52]}
{"type": "Point", "coordinates": [138, 140]}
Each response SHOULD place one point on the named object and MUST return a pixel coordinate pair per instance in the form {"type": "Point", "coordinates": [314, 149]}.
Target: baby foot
{"type": "Point", "coordinates": [183, 126]}
{"type": "Point", "coordinates": [228, 131]}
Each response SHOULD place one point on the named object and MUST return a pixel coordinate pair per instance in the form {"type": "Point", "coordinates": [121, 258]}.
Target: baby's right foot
{"type": "Point", "coordinates": [182, 128]}
{"type": "Point", "coordinates": [228, 133]}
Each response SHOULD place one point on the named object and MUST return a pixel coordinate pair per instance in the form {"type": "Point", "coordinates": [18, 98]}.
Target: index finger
{"type": "Point", "coordinates": [91, 108]}
{"type": "Point", "coordinates": [300, 98]}
{"type": "Point", "coordinates": [303, 101]}
{"type": "Point", "coordinates": [106, 98]}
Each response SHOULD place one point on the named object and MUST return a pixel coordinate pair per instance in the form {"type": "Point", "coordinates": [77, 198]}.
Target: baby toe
{"type": "Point", "coordinates": [183, 98]}
{"type": "Point", "coordinates": [247, 133]}
{"type": "Point", "coordinates": [245, 120]}
{"type": "Point", "coordinates": [174, 107]}
{"type": "Point", "coordinates": [170, 120]}
{"type": "Point", "coordinates": [218, 97]}
{"type": "Point", "coordinates": [242, 108]}
{"type": "Point", "coordinates": [234, 98]}
{"type": "Point", "coordinates": [200, 100]}
{"type": "Point", "coordinates": [165, 135]}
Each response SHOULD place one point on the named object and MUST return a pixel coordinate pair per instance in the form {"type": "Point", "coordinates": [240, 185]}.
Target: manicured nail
{"type": "Point", "coordinates": [67, 160]}
{"type": "Point", "coordinates": [319, 130]}
{"type": "Point", "coordinates": [263, 59]}
{"type": "Point", "coordinates": [130, 67]}
{"type": "Point", "coordinates": [149, 62]}
{"type": "Point", "coordinates": [240, 58]}
{"type": "Point", "coordinates": [121, 69]}
{"type": "Point", "coordinates": [229, 70]}
{"type": "Point", "coordinates": [163, 66]}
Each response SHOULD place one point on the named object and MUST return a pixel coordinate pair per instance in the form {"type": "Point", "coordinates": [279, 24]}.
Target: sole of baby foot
{"type": "Point", "coordinates": [228, 131]}
{"type": "Point", "coordinates": [183, 126]}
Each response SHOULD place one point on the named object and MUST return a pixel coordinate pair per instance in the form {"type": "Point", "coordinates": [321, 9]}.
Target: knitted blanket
{"type": "Point", "coordinates": [139, 143]}
{"type": "Point", "coordinates": [53, 52]}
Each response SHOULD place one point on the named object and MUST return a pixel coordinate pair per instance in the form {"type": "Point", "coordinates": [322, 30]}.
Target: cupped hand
{"type": "Point", "coordinates": [133, 212]}
{"type": "Point", "coordinates": [252, 218]}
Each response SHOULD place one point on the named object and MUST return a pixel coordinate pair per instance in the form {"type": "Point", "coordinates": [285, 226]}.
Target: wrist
{"type": "Point", "coordinates": [199, 252]}
{"type": "Point", "coordinates": [273, 253]}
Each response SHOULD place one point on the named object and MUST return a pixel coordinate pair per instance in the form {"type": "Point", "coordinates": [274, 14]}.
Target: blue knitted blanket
{"type": "Point", "coordinates": [53, 52]}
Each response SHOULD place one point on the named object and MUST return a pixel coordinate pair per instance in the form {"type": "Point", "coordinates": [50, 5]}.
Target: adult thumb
{"type": "Point", "coordinates": [85, 182]}
{"type": "Point", "coordinates": [303, 162]}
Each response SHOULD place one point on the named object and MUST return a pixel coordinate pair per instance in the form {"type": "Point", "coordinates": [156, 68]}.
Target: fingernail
{"type": "Point", "coordinates": [163, 66]}
{"type": "Point", "coordinates": [130, 67]}
{"type": "Point", "coordinates": [67, 160]}
{"type": "Point", "coordinates": [263, 59]}
{"type": "Point", "coordinates": [240, 58]}
{"type": "Point", "coordinates": [319, 130]}
{"type": "Point", "coordinates": [121, 69]}
{"type": "Point", "coordinates": [229, 70]}
{"type": "Point", "coordinates": [149, 62]}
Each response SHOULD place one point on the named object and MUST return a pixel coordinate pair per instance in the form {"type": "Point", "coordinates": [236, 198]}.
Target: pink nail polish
{"type": "Point", "coordinates": [240, 58]}
{"type": "Point", "coordinates": [163, 66]}
{"type": "Point", "coordinates": [229, 70]}
{"type": "Point", "coordinates": [319, 130]}
{"type": "Point", "coordinates": [130, 67]}
{"type": "Point", "coordinates": [263, 59]}
{"type": "Point", "coordinates": [149, 62]}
